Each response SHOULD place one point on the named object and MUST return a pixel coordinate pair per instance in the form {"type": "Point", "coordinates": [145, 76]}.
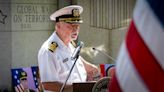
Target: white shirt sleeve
{"type": "Point", "coordinates": [47, 68]}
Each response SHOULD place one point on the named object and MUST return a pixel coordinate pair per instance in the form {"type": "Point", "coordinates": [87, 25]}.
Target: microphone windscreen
{"type": "Point", "coordinates": [80, 43]}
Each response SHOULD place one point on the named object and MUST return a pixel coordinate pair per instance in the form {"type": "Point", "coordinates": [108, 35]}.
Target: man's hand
{"type": "Point", "coordinates": [92, 70]}
{"type": "Point", "coordinates": [93, 73]}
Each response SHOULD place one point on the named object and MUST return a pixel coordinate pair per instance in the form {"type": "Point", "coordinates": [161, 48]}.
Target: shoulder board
{"type": "Point", "coordinates": [53, 46]}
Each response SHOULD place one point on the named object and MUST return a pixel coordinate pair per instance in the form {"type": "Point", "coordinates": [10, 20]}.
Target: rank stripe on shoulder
{"type": "Point", "coordinates": [53, 46]}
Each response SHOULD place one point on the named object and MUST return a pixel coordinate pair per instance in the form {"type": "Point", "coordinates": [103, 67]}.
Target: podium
{"type": "Point", "coordinates": [101, 85]}
{"type": "Point", "coordinates": [83, 86]}
{"type": "Point", "coordinates": [92, 86]}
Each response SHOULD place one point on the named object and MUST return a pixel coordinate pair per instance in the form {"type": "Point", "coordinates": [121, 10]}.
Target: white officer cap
{"type": "Point", "coordinates": [70, 14]}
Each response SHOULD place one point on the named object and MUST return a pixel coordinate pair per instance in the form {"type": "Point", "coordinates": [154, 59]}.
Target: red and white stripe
{"type": "Point", "coordinates": [19, 88]}
{"type": "Point", "coordinates": [132, 83]}
{"type": "Point", "coordinates": [140, 64]}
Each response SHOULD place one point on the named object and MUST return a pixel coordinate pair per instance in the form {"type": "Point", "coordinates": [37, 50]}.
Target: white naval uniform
{"type": "Point", "coordinates": [55, 66]}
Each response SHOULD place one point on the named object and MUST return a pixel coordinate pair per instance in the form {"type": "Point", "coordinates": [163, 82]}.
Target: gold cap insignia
{"type": "Point", "coordinates": [75, 12]}
{"type": "Point", "coordinates": [53, 46]}
{"type": "Point", "coordinates": [23, 75]}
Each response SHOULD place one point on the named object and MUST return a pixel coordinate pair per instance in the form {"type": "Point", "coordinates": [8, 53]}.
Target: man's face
{"type": "Point", "coordinates": [69, 31]}
{"type": "Point", "coordinates": [24, 82]}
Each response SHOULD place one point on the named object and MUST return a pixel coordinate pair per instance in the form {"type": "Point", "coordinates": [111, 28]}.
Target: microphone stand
{"type": "Point", "coordinates": [105, 54]}
{"type": "Point", "coordinates": [62, 88]}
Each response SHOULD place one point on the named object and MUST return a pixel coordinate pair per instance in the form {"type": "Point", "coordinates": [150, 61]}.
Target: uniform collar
{"type": "Point", "coordinates": [59, 41]}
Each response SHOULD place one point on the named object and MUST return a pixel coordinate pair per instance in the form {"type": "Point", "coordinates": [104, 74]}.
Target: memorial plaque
{"type": "Point", "coordinates": [32, 15]}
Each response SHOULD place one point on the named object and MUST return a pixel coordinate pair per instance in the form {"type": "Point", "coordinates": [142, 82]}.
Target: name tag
{"type": "Point", "coordinates": [65, 60]}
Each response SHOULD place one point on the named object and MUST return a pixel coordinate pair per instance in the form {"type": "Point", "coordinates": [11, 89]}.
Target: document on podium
{"type": "Point", "coordinates": [83, 86]}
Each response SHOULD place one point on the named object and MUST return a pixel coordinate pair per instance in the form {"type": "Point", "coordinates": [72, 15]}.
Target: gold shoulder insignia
{"type": "Point", "coordinates": [53, 46]}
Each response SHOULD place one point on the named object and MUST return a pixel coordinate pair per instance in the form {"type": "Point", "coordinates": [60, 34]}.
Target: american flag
{"type": "Point", "coordinates": [36, 78]}
{"type": "Point", "coordinates": [32, 73]}
{"type": "Point", "coordinates": [104, 68]}
{"type": "Point", "coordinates": [16, 80]}
{"type": "Point", "coordinates": [140, 64]}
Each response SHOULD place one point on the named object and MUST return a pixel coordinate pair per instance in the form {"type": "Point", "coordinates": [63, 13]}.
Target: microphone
{"type": "Point", "coordinates": [110, 57]}
{"type": "Point", "coordinates": [77, 50]}
{"type": "Point", "coordinates": [75, 56]}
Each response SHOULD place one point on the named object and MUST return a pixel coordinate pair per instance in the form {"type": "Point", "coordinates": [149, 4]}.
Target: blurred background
{"type": "Point", "coordinates": [25, 25]}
